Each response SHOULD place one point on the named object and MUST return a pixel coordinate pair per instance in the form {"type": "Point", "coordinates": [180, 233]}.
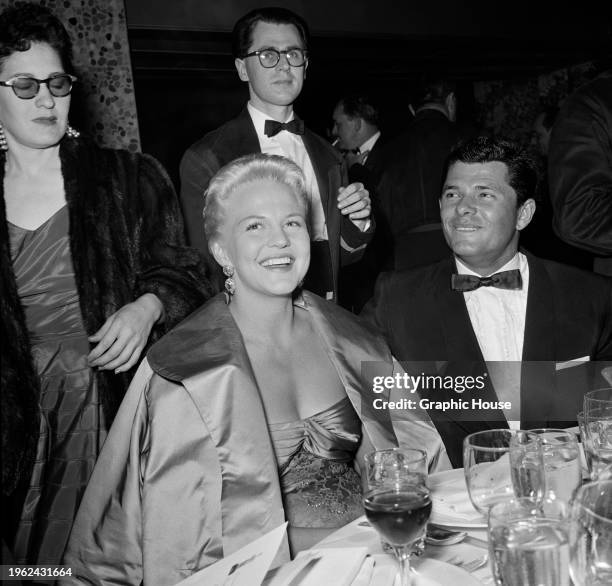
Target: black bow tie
{"type": "Point", "coordinates": [503, 280]}
{"type": "Point", "coordinates": [356, 151]}
{"type": "Point", "coordinates": [273, 127]}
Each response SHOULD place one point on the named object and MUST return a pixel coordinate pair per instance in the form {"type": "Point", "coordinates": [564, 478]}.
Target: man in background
{"type": "Point", "coordinates": [270, 47]}
{"type": "Point", "coordinates": [357, 135]}
{"type": "Point", "coordinates": [410, 185]}
{"type": "Point", "coordinates": [580, 170]}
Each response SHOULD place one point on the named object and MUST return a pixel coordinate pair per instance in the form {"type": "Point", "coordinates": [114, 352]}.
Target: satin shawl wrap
{"type": "Point", "coordinates": [188, 473]}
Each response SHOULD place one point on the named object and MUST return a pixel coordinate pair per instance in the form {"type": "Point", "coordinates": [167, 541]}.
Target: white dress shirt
{"type": "Point", "coordinates": [498, 319]}
{"type": "Point", "coordinates": [290, 145]}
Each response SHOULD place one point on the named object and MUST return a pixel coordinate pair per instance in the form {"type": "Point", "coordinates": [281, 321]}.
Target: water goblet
{"type": "Point", "coordinates": [527, 465]}
{"type": "Point", "coordinates": [590, 534]}
{"type": "Point", "coordinates": [596, 431]}
{"type": "Point", "coordinates": [600, 401]}
{"type": "Point", "coordinates": [487, 466]}
{"type": "Point", "coordinates": [561, 455]}
{"type": "Point", "coordinates": [397, 501]}
{"type": "Point", "coordinates": [528, 543]}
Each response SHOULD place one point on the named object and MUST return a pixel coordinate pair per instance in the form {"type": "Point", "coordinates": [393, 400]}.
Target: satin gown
{"type": "Point", "coordinates": [319, 485]}
{"type": "Point", "coordinates": [71, 426]}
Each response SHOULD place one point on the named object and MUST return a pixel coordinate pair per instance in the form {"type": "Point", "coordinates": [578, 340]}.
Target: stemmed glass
{"type": "Point", "coordinates": [397, 501]}
{"type": "Point", "coordinates": [590, 534]}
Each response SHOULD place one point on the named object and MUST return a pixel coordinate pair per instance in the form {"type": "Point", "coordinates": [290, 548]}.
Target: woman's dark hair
{"type": "Point", "coordinates": [242, 35]}
{"type": "Point", "coordinates": [26, 23]}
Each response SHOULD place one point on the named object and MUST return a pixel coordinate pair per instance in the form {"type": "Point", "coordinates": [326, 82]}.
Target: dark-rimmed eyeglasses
{"type": "Point", "coordinates": [26, 87]}
{"type": "Point", "coordinates": [270, 57]}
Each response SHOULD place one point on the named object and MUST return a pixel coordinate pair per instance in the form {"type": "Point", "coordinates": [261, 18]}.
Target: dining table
{"type": "Point", "coordinates": [438, 565]}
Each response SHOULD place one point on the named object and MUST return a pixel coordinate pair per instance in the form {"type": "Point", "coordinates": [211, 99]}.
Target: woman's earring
{"type": "Point", "coordinates": [72, 133]}
{"type": "Point", "coordinates": [230, 284]}
{"type": "Point", "coordinates": [3, 145]}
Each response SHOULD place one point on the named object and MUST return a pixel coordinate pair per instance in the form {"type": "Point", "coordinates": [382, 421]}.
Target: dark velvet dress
{"type": "Point", "coordinates": [72, 430]}
{"type": "Point", "coordinates": [319, 484]}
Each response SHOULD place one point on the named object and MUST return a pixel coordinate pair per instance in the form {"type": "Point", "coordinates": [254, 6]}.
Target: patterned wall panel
{"type": "Point", "coordinates": [104, 105]}
{"type": "Point", "coordinates": [510, 107]}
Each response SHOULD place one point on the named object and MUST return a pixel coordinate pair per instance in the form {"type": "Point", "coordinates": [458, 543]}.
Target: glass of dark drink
{"type": "Point", "coordinates": [397, 501]}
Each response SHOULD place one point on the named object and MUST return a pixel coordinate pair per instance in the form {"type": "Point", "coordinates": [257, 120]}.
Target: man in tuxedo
{"type": "Point", "coordinates": [270, 47]}
{"type": "Point", "coordinates": [358, 137]}
{"type": "Point", "coordinates": [410, 184]}
{"type": "Point", "coordinates": [531, 329]}
{"type": "Point", "coordinates": [357, 133]}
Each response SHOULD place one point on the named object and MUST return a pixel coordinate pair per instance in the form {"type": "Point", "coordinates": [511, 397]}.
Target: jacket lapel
{"type": "Point", "coordinates": [459, 338]}
{"type": "Point", "coordinates": [207, 356]}
{"type": "Point", "coordinates": [321, 166]}
{"type": "Point", "coordinates": [239, 139]}
{"type": "Point", "coordinates": [461, 346]}
{"type": "Point", "coordinates": [539, 353]}
{"type": "Point", "coordinates": [356, 357]}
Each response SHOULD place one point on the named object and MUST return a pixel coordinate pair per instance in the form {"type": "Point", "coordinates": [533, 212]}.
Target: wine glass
{"type": "Point", "coordinates": [590, 534]}
{"type": "Point", "coordinates": [562, 469]}
{"type": "Point", "coordinates": [528, 543]}
{"type": "Point", "coordinates": [492, 475]}
{"type": "Point", "coordinates": [397, 501]}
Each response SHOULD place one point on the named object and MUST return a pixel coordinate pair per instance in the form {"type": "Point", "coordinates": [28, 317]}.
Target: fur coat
{"type": "Point", "coordinates": [126, 239]}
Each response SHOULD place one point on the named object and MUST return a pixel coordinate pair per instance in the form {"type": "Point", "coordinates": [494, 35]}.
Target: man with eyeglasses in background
{"type": "Point", "coordinates": [270, 50]}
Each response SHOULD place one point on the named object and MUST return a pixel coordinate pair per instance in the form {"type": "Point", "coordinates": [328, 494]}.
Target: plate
{"type": "Point", "coordinates": [451, 502]}
{"type": "Point", "coordinates": [426, 572]}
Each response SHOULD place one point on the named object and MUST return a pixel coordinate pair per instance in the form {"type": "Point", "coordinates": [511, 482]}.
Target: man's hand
{"type": "Point", "coordinates": [124, 334]}
{"type": "Point", "coordinates": [354, 202]}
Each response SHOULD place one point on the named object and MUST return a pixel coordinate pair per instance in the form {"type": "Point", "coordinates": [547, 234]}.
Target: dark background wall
{"type": "Point", "coordinates": [506, 58]}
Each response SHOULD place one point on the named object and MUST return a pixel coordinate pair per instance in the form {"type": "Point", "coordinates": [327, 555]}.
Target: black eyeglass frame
{"type": "Point", "coordinates": [285, 52]}
{"type": "Point", "coordinates": [11, 83]}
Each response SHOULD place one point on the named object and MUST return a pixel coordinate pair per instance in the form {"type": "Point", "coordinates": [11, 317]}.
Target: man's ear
{"type": "Point", "coordinates": [241, 69]}
{"type": "Point", "coordinates": [219, 254]}
{"type": "Point", "coordinates": [525, 214]}
{"type": "Point", "coordinates": [305, 68]}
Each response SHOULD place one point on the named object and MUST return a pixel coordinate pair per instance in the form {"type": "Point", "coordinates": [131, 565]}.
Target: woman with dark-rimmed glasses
{"type": "Point", "coordinates": [93, 269]}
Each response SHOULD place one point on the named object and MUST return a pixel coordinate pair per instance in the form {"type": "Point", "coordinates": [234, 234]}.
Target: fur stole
{"type": "Point", "coordinates": [126, 239]}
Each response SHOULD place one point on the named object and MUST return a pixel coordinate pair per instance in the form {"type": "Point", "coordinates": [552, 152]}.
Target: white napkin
{"type": "Point", "coordinates": [336, 565]}
{"type": "Point", "coordinates": [451, 501]}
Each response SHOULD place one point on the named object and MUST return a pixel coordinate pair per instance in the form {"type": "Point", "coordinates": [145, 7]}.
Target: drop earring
{"type": "Point", "coordinates": [71, 132]}
{"type": "Point", "coordinates": [3, 145]}
{"type": "Point", "coordinates": [230, 284]}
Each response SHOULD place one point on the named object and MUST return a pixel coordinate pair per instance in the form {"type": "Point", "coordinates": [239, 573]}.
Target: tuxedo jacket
{"type": "Point", "coordinates": [411, 183]}
{"type": "Point", "coordinates": [358, 279]}
{"type": "Point", "coordinates": [370, 172]}
{"type": "Point", "coordinates": [568, 317]}
{"type": "Point", "coordinates": [238, 137]}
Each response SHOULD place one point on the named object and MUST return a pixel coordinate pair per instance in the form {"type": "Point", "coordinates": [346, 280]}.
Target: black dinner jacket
{"type": "Point", "coordinates": [569, 316]}
{"type": "Point", "coordinates": [238, 137]}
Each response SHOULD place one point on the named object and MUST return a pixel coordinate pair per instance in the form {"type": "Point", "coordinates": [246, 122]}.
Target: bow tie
{"type": "Point", "coordinates": [503, 280]}
{"type": "Point", "coordinates": [356, 151]}
{"type": "Point", "coordinates": [273, 127]}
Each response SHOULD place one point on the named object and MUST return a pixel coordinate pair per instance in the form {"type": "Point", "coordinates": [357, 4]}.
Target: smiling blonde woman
{"type": "Point", "coordinates": [254, 410]}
